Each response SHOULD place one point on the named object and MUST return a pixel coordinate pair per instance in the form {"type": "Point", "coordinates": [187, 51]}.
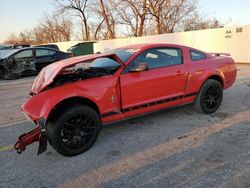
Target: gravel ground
{"type": "Point", "coordinates": [171, 148]}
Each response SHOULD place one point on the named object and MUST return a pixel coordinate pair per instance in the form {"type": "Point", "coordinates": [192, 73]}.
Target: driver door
{"type": "Point", "coordinates": [166, 78]}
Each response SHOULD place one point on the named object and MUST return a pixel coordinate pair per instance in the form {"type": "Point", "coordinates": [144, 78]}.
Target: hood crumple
{"type": "Point", "coordinates": [48, 73]}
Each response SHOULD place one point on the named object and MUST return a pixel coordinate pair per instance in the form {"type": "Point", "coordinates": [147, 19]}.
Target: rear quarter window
{"type": "Point", "coordinates": [195, 55]}
{"type": "Point", "coordinates": [42, 53]}
{"type": "Point", "coordinates": [52, 52]}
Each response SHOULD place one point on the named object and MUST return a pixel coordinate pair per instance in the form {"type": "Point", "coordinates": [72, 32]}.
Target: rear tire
{"type": "Point", "coordinates": [210, 97]}
{"type": "Point", "coordinates": [75, 130]}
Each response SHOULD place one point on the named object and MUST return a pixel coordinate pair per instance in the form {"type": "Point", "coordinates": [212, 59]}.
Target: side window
{"type": "Point", "coordinates": [159, 57]}
{"type": "Point", "coordinates": [197, 55]}
{"type": "Point", "coordinates": [24, 54]}
{"type": "Point", "coordinates": [42, 52]}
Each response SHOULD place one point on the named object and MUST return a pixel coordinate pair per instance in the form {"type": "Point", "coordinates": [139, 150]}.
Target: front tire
{"type": "Point", "coordinates": [2, 74]}
{"type": "Point", "coordinates": [12, 76]}
{"type": "Point", "coordinates": [75, 130]}
{"type": "Point", "coordinates": [210, 97]}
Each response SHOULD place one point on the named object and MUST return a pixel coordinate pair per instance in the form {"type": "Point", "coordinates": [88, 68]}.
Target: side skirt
{"type": "Point", "coordinates": [127, 113]}
{"type": "Point", "coordinates": [146, 113]}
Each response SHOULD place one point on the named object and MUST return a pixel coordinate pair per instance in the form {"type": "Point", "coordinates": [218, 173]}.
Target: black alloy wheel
{"type": "Point", "coordinates": [78, 131]}
{"type": "Point", "coordinates": [75, 130]}
{"type": "Point", "coordinates": [210, 97]}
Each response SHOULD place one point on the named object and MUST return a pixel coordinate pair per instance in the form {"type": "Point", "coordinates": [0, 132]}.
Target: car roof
{"type": "Point", "coordinates": [155, 45]}
{"type": "Point", "coordinates": [45, 48]}
{"type": "Point", "coordinates": [151, 45]}
{"type": "Point", "coordinates": [41, 47]}
{"type": "Point", "coordinates": [8, 52]}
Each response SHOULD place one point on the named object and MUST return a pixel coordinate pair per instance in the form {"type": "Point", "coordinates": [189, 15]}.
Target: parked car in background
{"type": "Point", "coordinates": [17, 62]}
{"type": "Point", "coordinates": [54, 46]}
{"type": "Point", "coordinates": [73, 98]}
{"type": "Point", "coordinates": [5, 46]}
{"type": "Point", "coordinates": [5, 51]}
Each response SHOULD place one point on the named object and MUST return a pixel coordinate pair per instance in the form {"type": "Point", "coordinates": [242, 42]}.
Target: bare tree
{"type": "Point", "coordinates": [133, 13]}
{"type": "Point", "coordinates": [198, 23]}
{"type": "Point", "coordinates": [108, 19]}
{"type": "Point", "coordinates": [12, 39]}
{"type": "Point", "coordinates": [24, 37]}
{"type": "Point", "coordinates": [167, 14]}
{"type": "Point", "coordinates": [53, 29]}
{"type": "Point", "coordinates": [97, 30]}
{"type": "Point", "coordinates": [106, 16]}
{"type": "Point", "coordinates": [79, 8]}
{"type": "Point", "coordinates": [64, 29]}
{"type": "Point", "coordinates": [50, 29]}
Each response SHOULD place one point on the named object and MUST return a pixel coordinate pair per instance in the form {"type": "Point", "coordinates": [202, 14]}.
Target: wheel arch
{"type": "Point", "coordinates": [217, 78]}
{"type": "Point", "coordinates": [57, 109]}
{"type": "Point", "coordinates": [211, 77]}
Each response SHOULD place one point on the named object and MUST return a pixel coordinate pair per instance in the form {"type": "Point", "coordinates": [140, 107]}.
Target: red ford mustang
{"type": "Point", "coordinates": [71, 99]}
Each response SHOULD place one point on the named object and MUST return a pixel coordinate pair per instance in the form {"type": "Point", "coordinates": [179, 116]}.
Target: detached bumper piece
{"type": "Point", "coordinates": [37, 134]}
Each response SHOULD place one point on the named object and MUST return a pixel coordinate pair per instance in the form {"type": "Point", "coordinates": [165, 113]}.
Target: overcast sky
{"type": "Point", "coordinates": [19, 15]}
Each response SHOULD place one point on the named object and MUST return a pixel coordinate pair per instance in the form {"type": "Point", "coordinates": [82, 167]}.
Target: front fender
{"type": "Point", "coordinates": [40, 105]}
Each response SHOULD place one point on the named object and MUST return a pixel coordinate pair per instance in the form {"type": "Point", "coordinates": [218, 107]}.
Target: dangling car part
{"type": "Point", "coordinates": [76, 96]}
{"type": "Point", "coordinates": [37, 134]}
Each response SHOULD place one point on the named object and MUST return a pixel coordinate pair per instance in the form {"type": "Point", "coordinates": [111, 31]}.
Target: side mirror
{"type": "Point", "coordinates": [141, 67]}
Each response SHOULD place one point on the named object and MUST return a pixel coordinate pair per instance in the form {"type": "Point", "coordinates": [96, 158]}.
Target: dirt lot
{"type": "Point", "coordinates": [172, 148]}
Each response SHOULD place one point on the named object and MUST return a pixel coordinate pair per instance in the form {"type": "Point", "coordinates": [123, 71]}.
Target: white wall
{"type": "Point", "coordinates": [210, 40]}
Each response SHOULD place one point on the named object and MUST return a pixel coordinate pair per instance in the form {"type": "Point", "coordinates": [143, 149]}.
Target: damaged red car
{"type": "Point", "coordinates": [72, 99]}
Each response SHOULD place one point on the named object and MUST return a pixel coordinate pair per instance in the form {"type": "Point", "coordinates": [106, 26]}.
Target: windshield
{"type": "Point", "coordinates": [6, 53]}
{"type": "Point", "coordinates": [125, 53]}
{"type": "Point", "coordinates": [105, 63]}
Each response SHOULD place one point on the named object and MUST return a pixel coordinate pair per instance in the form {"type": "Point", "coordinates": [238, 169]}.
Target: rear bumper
{"type": "Point", "coordinates": [230, 76]}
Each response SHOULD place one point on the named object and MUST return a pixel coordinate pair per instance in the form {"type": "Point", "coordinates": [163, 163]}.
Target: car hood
{"type": "Point", "coordinates": [48, 73]}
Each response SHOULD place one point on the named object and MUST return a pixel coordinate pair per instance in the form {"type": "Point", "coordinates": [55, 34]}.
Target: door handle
{"type": "Point", "coordinates": [179, 73]}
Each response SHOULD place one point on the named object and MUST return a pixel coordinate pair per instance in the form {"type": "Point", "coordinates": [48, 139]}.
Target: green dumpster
{"type": "Point", "coordinates": [82, 48]}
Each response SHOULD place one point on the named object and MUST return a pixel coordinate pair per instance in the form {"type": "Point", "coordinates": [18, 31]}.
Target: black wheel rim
{"type": "Point", "coordinates": [78, 131]}
{"type": "Point", "coordinates": [212, 97]}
